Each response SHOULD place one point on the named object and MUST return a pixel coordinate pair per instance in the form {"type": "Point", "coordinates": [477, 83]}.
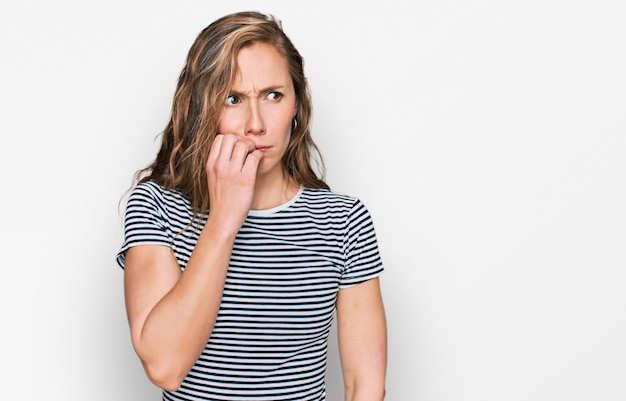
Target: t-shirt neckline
{"type": "Point", "coordinates": [275, 209]}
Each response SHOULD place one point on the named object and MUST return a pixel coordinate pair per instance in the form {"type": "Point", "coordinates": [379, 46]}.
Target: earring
{"type": "Point", "coordinates": [294, 124]}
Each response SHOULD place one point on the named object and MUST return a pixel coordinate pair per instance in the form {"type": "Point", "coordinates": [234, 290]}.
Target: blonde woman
{"type": "Point", "coordinates": [236, 253]}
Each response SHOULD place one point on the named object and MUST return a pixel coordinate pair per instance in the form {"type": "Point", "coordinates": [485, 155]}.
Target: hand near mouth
{"type": "Point", "coordinates": [231, 173]}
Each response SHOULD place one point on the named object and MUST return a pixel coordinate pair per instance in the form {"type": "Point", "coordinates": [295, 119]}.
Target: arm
{"type": "Point", "coordinates": [362, 335]}
{"type": "Point", "coordinates": [172, 313]}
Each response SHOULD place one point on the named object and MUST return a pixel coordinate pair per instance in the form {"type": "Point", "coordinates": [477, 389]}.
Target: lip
{"type": "Point", "coordinates": [263, 148]}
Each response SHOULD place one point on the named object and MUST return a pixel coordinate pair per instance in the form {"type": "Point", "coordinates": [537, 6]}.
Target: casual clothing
{"type": "Point", "coordinates": [269, 341]}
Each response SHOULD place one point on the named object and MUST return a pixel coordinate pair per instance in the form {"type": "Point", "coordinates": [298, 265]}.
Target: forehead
{"type": "Point", "coordinates": [261, 65]}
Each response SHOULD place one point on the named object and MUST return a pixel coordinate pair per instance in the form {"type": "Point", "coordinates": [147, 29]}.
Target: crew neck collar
{"type": "Point", "coordinates": [275, 209]}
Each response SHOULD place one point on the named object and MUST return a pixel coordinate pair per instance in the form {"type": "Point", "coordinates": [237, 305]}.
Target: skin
{"type": "Point", "coordinates": [259, 112]}
{"type": "Point", "coordinates": [244, 172]}
{"type": "Point", "coordinates": [362, 336]}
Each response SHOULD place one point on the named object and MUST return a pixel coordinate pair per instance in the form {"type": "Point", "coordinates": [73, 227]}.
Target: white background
{"type": "Point", "coordinates": [487, 138]}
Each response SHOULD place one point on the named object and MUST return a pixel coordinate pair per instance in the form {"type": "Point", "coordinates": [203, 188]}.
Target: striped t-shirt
{"type": "Point", "coordinates": [269, 341]}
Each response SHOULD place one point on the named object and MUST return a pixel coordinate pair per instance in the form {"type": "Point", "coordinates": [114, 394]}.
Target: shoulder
{"type": "Point", "coordinates": [151, 188]}
{"type": "Point", "coordinates": [335, 203]}
{"type": "Point", "coordinates": [149, 193]}
{"type": "Point", "coordinates": [326, 196]}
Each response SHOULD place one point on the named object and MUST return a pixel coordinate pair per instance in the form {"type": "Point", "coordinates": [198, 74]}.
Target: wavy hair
{"type": "Point", "coordinates": [204, 83]}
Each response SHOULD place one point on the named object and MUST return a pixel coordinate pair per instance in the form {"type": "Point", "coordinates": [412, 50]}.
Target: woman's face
{"type": "Point", "coordinates": [262, 105]}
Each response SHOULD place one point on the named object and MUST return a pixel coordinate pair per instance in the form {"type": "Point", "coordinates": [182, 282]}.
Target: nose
{"type": "Point", "coordinates": [255, 124]}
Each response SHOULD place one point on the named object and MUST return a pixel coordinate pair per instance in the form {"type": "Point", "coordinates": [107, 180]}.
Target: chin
{"type": "Point", "coordinates": [267, 171]}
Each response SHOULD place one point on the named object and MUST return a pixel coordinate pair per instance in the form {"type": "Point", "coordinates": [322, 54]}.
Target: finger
{"type": "Point", "coordinates": [226, 149]}
{"type": "Point", "coordinates": [216, 147]}
{"type": "Point", "coordinates": [241, 149]}
{"type": "Point", "coordinates": [251, 164]}
{"type": "Point", "coordinates": [222, 158]}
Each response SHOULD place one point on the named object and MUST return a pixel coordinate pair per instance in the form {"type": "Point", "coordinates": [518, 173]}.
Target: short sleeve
{"type": "Point", "coordinates": [362, 257]}
{"type": "Point", "coordinates": [144, 221]}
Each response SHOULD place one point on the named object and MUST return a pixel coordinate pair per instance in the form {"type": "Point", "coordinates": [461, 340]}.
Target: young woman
{"type": "Point", "coordinates": [236, 252]}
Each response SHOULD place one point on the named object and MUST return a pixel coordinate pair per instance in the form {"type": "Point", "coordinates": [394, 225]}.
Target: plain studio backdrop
{"type": "Point", "coordinates": [487, 139]}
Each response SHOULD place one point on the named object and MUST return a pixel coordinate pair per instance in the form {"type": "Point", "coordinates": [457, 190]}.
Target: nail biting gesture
{"type": "Point", "coordinates": [206, 297]}
{"type": "Point", "coordinates": [231, 170]}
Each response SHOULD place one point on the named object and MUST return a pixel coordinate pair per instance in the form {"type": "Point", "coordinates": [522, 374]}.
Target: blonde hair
{"type": "Point", "coordinates": [203, 85]}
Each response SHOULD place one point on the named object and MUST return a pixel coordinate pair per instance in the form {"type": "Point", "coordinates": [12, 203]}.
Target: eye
{"type": "Point", "coordinates": [232, 100]}
{"type": "Point", "coordinates": [274, 95]}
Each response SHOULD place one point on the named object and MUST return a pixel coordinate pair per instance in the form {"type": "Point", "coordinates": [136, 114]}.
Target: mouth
{"type": "Point", "coordinates": [263, 148]}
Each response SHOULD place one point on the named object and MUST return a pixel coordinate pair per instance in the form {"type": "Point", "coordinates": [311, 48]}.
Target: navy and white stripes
{"type": "Point", "coordinates": [269, 341]}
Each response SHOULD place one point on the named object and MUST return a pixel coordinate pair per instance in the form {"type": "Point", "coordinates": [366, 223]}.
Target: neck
{"type": "Point", "coordinates": [269, 193]}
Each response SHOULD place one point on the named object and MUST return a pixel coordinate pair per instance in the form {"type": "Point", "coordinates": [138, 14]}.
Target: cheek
{"type": "Point", "coordinates": [221, 127]}
{"type": "Point", "coordinates": [283, 129]}
{"type": "Point", "coordinates": [226, 123]}
{"type": "Point", "coordinates": [283, 119]}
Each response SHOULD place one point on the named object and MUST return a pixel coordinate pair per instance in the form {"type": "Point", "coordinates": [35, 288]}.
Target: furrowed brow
{"type": "Point", "coordinates": [272, 88]}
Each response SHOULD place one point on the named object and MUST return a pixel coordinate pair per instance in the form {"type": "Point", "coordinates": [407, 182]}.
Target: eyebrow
{"type": "Point", "coordinates": [263, 90]}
